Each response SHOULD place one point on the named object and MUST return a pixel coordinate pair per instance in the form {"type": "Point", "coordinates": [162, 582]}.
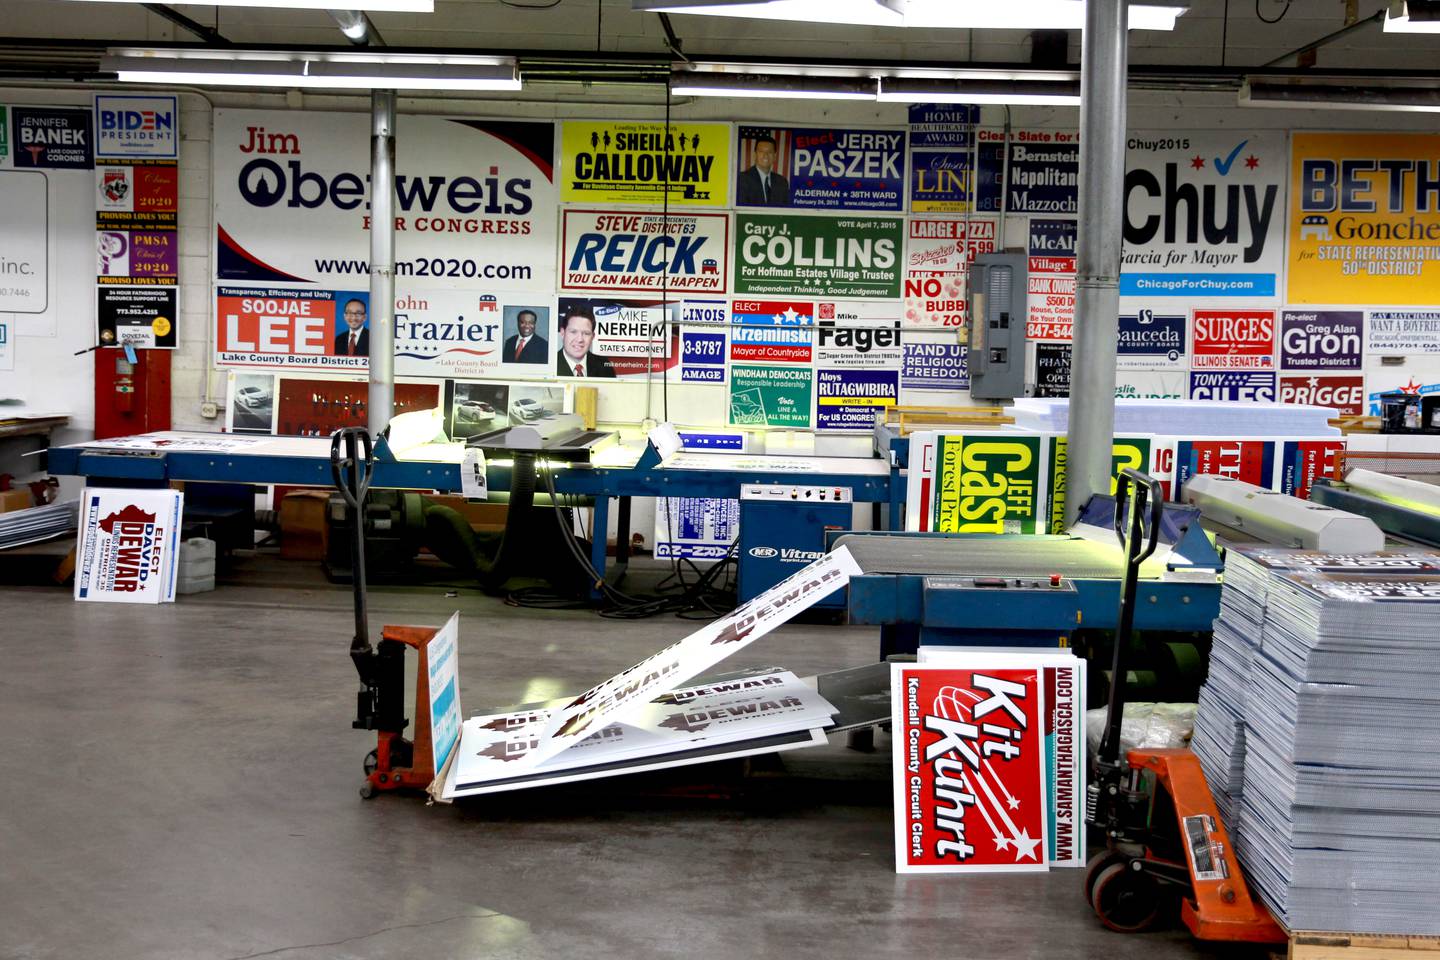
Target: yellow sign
{"type": "Point", "coordinates": [1364, 218]}
{"type": "Point", "coordinates": [1125, 452]}
{"type": "Point", "coordinates": [161, 326]}
{"type": "Point", "coordinates": [987, 485]}
{"type": "Point", "coordinates": [624, 161]}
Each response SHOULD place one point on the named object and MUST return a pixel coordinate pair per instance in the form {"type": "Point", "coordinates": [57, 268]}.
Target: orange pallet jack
{"type": "Point", "coordinates": [1164, 838]}
{"type": "Point", "coordinates": [396, 763]}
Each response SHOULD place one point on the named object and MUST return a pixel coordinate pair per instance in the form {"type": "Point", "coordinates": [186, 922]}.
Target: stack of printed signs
{"type": "Point", "coordinates": [989, 760]}
{"type": "Point", "coordinates": [1341, 761]}
{"type": "Point", "coordinates": [1199, 417]}
{"type": "Point", "coordinates": [644, 719]}
{"type": "Point", "coordinates": [35, 524]}
{"type": "Point", "coordinates": [129, 545]}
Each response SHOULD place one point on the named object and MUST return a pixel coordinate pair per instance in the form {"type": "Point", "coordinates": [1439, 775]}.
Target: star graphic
{"type": "Point", "coordinates": [1313, 382]}
{"type": "Point", "coordinates": [777, 319]}
{"type": "Point", "coordinates": [1197, 161]}
{"type": "Point", "coordinates": [1411, 387]}
{"type": "Point", "coordinates": [790, 315]}
{"type": "Point", "coordinates": [1002, 842]}
{"type": "Point", "coordinates": [1025, 846]}
{"type": "Point", "coordinates": [1251, 162]}
{"type": "Point", "coordinates": [1014, 803]}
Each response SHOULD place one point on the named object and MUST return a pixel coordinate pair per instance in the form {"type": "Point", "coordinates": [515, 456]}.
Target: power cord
{"type": "Point", "coordinates": [1278, 17]}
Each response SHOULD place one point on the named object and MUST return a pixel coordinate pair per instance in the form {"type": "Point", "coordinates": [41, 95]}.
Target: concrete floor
{"type": "Point", "coordinates": [185, 783]}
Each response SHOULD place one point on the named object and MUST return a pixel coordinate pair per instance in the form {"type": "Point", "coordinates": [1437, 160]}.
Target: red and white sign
{"type": "Point", "coordinates": [1233, 339]}
{"type": "Point", "coordinates": [1346, 394]}
{"type": "Point", "coordinates": [938, 252]}
{"type": "Point", "coordinates": [969, 768]}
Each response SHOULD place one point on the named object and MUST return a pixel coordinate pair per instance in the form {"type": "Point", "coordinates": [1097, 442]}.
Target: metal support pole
{"type": "Point", "coordinates": [1097, 268]}
{"type": "Point", "coordinates": [382, 260]}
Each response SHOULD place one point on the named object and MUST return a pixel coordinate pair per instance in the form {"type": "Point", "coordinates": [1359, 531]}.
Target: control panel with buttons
{"type": "Point", "coordinates": [798, 494]}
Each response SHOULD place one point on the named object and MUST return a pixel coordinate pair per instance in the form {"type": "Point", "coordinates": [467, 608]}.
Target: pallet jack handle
{"type": "Point", "coordinates": [1137, 540]}
{"type": "Point", "coordinates": [380, 702]}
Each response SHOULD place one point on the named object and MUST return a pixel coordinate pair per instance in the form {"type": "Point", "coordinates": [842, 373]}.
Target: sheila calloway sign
{"type": "Point", "coordinates": [128, 545]}
{"type": "Point", "coordinates": [969, 768]}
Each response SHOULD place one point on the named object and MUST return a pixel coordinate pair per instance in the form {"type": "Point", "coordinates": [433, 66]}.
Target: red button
{"type": "Point", "coordinates": [1054, 579]}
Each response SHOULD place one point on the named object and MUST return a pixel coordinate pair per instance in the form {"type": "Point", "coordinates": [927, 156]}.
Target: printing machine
{"type": "Point", "coordinates": [1007, 590]}
{"type": "Point", "coordinates": [788, 500]}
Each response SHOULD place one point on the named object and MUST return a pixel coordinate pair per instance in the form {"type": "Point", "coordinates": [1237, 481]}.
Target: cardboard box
{"type": "Point", "coordinates": [303, 535]}
{"type": "Point", "coordinates": [17, 499]}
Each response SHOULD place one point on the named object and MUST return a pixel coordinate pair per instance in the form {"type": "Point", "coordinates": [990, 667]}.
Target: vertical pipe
{"type": "Point", "coordinates": [382, 260]}
{"type": "Point", "coordinates": [1097, 268]}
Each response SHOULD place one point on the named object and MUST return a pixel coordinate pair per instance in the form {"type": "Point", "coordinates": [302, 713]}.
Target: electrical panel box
{"type": "Point", "coordinates": [998, 305]}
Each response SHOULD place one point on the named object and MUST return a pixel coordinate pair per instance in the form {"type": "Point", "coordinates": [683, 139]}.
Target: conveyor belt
{"type": "Point", "coordinates": [1017, 556]}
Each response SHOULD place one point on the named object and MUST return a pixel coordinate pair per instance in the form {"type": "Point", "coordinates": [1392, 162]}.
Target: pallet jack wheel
{"type": "Point", "coordinates": [372, 761]}
{"type": "Point", "coordinates": [1096, 865]}
{"type": "Point", "coordinates": [367, 790]}
{"type": "Point", "coordinates": [1126, 900]}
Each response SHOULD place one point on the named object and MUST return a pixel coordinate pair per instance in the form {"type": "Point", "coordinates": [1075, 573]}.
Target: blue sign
{"type": "Point", "coordinates": [1197, 284]}
{"type": "Point", "coordinates": [821, 168]}
{"type": "Point", "coordinates": [712, 441]}
{"type": "Point", "coordinates": [1053, 238]}
{"type": "Point", "coordinates": [942, 124]}
{"type": "Point", "coordinates": [935, 366]}
{"type": "Point", "coordinates": [1247, 385]}
{"type": "Point", "coordinates": [1144, 334]}
{"type": "Point", "coordinates": [52, 137]}
{"type": "Point", "coordinates": [1042, 177]}
{"type": "Point", "coordinates": [851, 399]}
{"type": "Point", "coordinates": [940, 181]}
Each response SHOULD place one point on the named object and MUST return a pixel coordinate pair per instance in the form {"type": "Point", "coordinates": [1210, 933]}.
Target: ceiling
{"type": "Point", "coordinates": [603, 40]}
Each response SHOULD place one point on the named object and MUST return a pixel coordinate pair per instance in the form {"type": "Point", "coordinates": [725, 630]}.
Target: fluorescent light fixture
{"type": "Point", "coordinates": [392, 6]}
{"type": "Point", "coordinates": [1390, 93]}
{"type": "Point", "coordinates": [1052, 93]}
{"type": "Point", "coordinates": [325, 70]}
{"type": "Point", "coordinates": [782, 87]}
{"type": "Point", "coordinates": [1413, 16]}
{"type": "Point", "coordinates": [927, 14]}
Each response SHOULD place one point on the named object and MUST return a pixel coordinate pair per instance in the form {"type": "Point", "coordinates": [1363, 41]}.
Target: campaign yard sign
{"type": "Point", "coordinates": [129, 545]}
{"type": "Point", "coordinates": [632, 161]}
{"type": "Point", "coordinates": [818, 256]}
{"type": "Point", "coordinates": [1321, 339]}
{"type": "Point", "coordinates": [969, 768]}
{"type": "Point", "coordinates": [631, 251]}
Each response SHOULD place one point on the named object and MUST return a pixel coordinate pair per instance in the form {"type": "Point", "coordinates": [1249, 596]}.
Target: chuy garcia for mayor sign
{"type": "Point", "coordinates": [825, 256]}
{"type": "Point", "coordinates": [475, 200]}
{"type": "Point", "coordinates": [634, 251]}
{"type": "Point", "coordinates": [821, 169]}
{"type": "Point", "coordinates": [1203, 215]}
{"type": "Point", "coordinates": [1365, 218]}
{"type": "Point", "coordinates": [625, 161]}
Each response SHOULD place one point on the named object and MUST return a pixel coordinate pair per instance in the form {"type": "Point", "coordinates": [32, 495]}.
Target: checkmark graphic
{"type": "Point", "coordinates": [1223, 166]}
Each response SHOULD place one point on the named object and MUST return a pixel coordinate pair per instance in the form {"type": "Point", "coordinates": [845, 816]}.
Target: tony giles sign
{"type": "Point", "coordinates": [645, 252]}
{"type": "Point", "coordinates": [819, 256]}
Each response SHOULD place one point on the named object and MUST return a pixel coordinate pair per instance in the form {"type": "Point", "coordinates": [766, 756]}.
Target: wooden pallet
{"type": "Point", "coordinates": [1309, 945]}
